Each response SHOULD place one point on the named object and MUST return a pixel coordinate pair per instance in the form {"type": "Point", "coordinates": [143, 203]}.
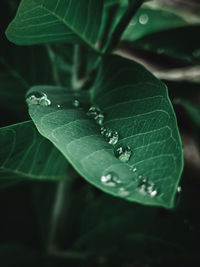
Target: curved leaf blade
{"type": "Point", "coordinates": [44, 21]}
{"type": "Point", "coordinates": [25, 154]}
{"type": "Point", "coordinates": [137, 106]}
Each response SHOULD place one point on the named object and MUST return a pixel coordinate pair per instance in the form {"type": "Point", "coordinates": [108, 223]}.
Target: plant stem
{"type": "Point", "coordinates": [111, 15]}
{"type": "Point", "coordinates": [62, 202]}
{"type": "Point", "coordinates": [79, 67]}
{"type": "Point", "coordinates": [124, 21]}
{"type": "Point", "coordinates": [52, 57]}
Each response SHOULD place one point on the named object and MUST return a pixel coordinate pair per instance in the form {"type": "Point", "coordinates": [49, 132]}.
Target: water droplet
{"type": "Point", "coordinates": [45, 102]}
{"type": "Point", "coordinates": [123, 192]}
{"type": "Point", "coordinates": [97, 114]}
{"type": "Point", "coordinates": [123, 153]}
{"type": "Point", "coordinates": [76, 103]}
{"type": "Point", "coordinates": [179, 189]}
{"type": "Point", "coordinates": [38, 98]}
{"type": "Point", "coordinates": [110, 136]}
{"type": "Point", "coordinates": [143, 19]}
{"type": "Point", "coordinates": [99, 119]}
{"type": "Point", "coordinates": [133, 169]}
{"type": "Point", "coordinates": [146, 187]}
{"type": "Point", "coordinates": [196, 53]}
{"type": "Point", "coordinates": [59, 106]}
{"type": "Point", "coordinates": [110, 179]}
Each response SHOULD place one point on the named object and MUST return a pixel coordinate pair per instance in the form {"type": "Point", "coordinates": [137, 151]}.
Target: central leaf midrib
{"type": "Point", "coordinates": [68, 26]}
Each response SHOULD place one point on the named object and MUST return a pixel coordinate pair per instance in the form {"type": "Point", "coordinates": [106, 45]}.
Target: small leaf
{"type": "Point", "coordinates": [25, 154]}
{"type": "Point", "coordinates": [47, 21]}
{"type": "Point", "coordinates": [147, 161]}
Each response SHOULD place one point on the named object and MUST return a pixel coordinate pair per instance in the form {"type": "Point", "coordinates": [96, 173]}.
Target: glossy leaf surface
{"type": "Point", "coordinates": [47, 21]}
{"type": "Point", "coordinates": [136, 106]}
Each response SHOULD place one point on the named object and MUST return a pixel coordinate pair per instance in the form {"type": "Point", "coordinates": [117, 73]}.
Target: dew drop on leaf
{"type": "Point", "coordinates": [76, 103]}
{"type": "Point", "coordinates": [147, 188]}
{"type": "Point", "coordinates": [133, 169]}
{"type": "Point", "coordinates": [97, 114]}
{"type": "Point", "coordinates": [110, 136]}
{"type": "Point", "coordinates": [123, 192]}
{"type": "Point", "coordinates": [38, 98]}
{"type": "Point", "coordinates": [179, 189]}
{"type": "Point", "coordinates": [110, 179]}
{"type": "Point", "coordinates": [143, 19]}
{"type": "Point", "coordinates": [123, 153]}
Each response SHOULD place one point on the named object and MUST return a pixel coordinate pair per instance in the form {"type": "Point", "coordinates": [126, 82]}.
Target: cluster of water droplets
{"type": "Point", "coordinates": [111, 179]}
{"type": "Point", "coordinates": [38, 98]}
{"type": "Point", "coordinates": [146, 187]}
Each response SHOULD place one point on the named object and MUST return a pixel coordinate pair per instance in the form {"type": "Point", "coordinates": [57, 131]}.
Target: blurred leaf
{"type": "Point", "coordinates": [147, 21]}
{"type": "Point", "coordinates": [192, 110]}
{"type": "Point", "coordinates": [25, 154]}
{"type": "Point", "coordinates": [181, 43]}
{"type": "Point", "coordinates": [47, 21]}
{"type": "Point", "coordinates": [149, 128]}
{"type": "Point", "coordinates": [21, 68]}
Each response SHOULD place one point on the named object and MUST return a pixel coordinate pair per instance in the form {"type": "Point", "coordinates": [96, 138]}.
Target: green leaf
{"type": "Point", "coordinates": [170, 43]}
{"type": "Point", "coordinates": [47, 21]}
{"type": "Point", "coordinates": [25, 154]}
{"type": "Point", "coordinates": [147, 21]}
{"type": "Point", "coordinates": [136, 105]}
{"type": "Point", "coordinates": [114, 2]}
{"type": "Point", "coordinates": [21, 68]}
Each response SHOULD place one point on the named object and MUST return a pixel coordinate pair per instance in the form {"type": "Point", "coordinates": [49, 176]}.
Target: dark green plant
{"type": "Point", "coordinates": [93, 109]}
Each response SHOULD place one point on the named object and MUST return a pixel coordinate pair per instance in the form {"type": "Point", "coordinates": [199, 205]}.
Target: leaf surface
{"type": "Point", "coordinates": [47, 21]}
{"type": "Point", "coordinates": [136, 105]}
{"type": "Point", "coordinates": [25, 154]}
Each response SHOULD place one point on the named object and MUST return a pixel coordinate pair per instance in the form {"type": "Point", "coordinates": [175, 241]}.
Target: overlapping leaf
{"type": "Point", "coordinates": [136, 105]}
{"type": "Point", "coordinates": [25, 154]}
{"type": "Point", "coordinates": [46, 21]}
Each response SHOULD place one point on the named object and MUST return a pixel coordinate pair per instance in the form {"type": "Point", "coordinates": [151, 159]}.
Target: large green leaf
{"type": "Point", "coordinates": [136, 105]}
{"type": "Point", "coordinates": [25, 154]}
{"type": "Point", "coordinates": [46, 21]}
{"type": "Point", "coordinates": [170, 43]}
